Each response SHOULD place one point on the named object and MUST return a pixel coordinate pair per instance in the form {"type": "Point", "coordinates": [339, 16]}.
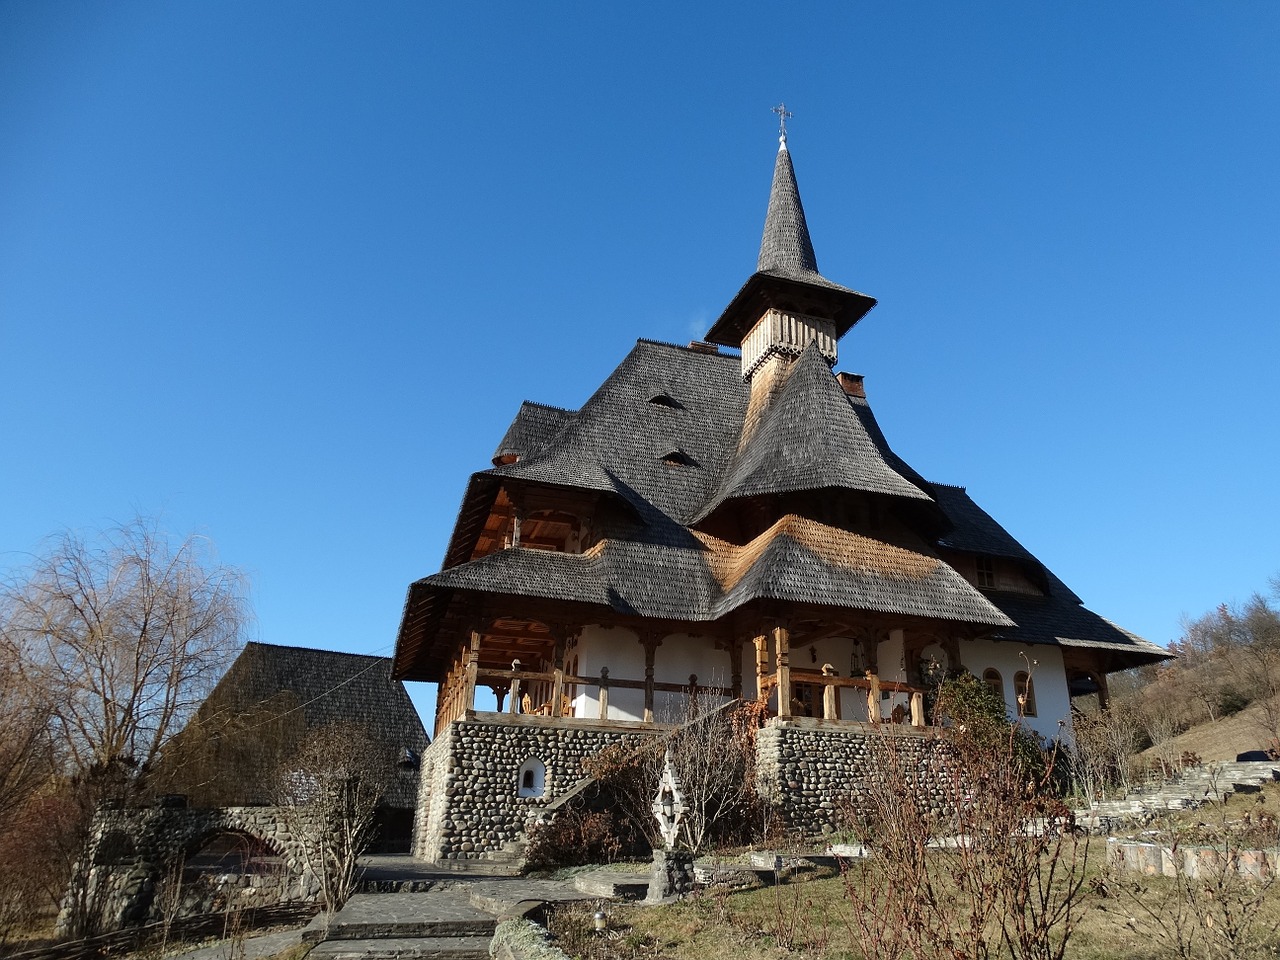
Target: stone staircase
{"type": "Point", "coordinates": [454, 919]}
{"type": "Point", "coordinates": [1196, 786]}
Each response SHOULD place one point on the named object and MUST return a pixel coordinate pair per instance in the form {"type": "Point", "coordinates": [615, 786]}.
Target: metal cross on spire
{"type": "Point", "coordinates": [783, 116]}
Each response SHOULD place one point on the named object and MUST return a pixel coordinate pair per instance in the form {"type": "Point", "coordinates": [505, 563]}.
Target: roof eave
{"type": "Point", "coordinates": [844, 307]}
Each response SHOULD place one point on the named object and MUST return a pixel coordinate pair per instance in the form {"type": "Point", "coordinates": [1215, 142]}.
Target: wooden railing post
{"type": "Point", "coordinates": [473, 664]}
{"type": "Point", "coordinates": [873, 698]}
{"type": "Point", "coordinates": [514, 706]}
{"type": "Point", "coordinates": [693, 696]}
{"type": "Point", "coordinates": [604, 693]}
{"type": "Point", "coordinates": [830, 695]}
{"type": "Point", "coordinates": [782, 647]}
{"type": "Point", "coordinates": [917, 709]}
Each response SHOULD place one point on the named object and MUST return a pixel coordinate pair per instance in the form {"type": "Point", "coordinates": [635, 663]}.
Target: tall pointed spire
{"type": "Point", "coordinates": [786, 248]}
{"type": "Point", "coordinates": [787, 285]}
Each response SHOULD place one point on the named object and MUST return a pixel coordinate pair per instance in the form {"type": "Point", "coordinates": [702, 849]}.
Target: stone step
{"type": "Point", "coordinates": [404, 948]}
{"type": "Point", "coordinates": [604, 883]}
{"type": "Point", "coordinates": [479, 868]}
{"type": "Point", "coordinates": [443, 913]}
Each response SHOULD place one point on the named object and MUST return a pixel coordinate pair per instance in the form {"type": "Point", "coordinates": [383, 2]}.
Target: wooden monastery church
{"type": "Point", "coordinates": [714, 524]}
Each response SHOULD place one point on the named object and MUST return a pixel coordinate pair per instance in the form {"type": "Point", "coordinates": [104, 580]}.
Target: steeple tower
{"type": "Point", "coordinates": [787, 304]}
{"type": "Point", "coordinates": [785, 247]}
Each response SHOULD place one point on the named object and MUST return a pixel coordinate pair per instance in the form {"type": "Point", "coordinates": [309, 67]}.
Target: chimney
{"type": "Point", "coordinates": [851, 383]}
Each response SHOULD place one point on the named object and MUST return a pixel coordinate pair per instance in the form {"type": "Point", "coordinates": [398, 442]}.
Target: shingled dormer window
{"type": "Point", "coordinates": [666, 400]}
{"type": "Point", "coordinates": [678, 458]}
{"type": "Point", "coordinates": [987, 573]}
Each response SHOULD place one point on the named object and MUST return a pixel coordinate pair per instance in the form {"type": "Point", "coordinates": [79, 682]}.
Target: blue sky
{"type": "Point", "coordinates": [282, 273]}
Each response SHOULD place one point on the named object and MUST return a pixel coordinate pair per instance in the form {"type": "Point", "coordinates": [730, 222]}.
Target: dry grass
{"type": "Point", "coordinates": [1221, 739]}
{"type": "Point", "coordinates": [807, 919]}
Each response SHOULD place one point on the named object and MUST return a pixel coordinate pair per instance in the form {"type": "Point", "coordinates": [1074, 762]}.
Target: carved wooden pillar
{"type": "Point", "coordinates": [469, 675]}
{"type": "Point", "coordinates": [651, 644]}
{"type": "Point", "coordinates": [782, 649]}
{"type": "Point", "coordinates": [604, 693]}
{"type": "Point", "coordinates": [735, 667]}
{"type": "Point", "coordinates": [557, 673]}
{"type": "Point", "coordinates": [762, 663]}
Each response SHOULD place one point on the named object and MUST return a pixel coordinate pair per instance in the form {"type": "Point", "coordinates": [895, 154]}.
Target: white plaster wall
{"type": "Point", "coordinates": [1048, 677]}
{"type": "Point", "coordinates": [679, 656]}
{"type": "Point", "coordinates": [620, 650]}
{"type": "Point", "coordinates": [890, 665]}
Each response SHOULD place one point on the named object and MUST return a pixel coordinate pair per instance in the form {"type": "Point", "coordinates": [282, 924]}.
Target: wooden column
{"type": "Point", "coordinates": [762, 663]}
{"type": "Point", "coordinates": [782, 650]}
{"type": "Point", "coordinates": [557, 672]}
{"type": "Point", "coordinates": [469, 681]}
{"type": "Point", "coordinates": [873, 698]}
{"type": "Point", "coordinates": [735, 668]}
{"type": "Point", "coordinates": [604, 693]}
{"type": "Point", "coordinates": [651, 644]}
{"type": "Point", "coordinates": [1104, 693]}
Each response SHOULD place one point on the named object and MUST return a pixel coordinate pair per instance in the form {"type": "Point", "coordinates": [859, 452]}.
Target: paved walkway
{"type": "Point", "coordinates": [454, 916]}
{"type": "Point", "coordinates": [251, 948]}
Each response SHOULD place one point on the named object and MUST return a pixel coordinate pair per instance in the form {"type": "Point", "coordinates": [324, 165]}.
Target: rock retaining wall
{"type": "Point", "coordinates": [469, 799]}
{"type": "Point", "coordinates": [470, 803]}
{"type": "Point", "coordinates": [811, 773]}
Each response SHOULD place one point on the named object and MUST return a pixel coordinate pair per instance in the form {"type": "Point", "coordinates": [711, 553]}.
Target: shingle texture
{"type": "Point", "coordinates": [280, 693]}
{"type": "Point", "coordinates": [674, 453]}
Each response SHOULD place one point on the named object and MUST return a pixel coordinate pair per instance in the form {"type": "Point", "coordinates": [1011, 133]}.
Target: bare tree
{"type": "Point", "coordinates": [122, 635]}
{"type": "Point", "coordinates": [329, 793]}
{"type": "Point", "coordinates": [112, 641]}
{"type": "Point", "coordinates": [26, 756]}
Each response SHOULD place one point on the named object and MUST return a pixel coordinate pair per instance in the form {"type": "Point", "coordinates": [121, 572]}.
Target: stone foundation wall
{"type": "Point", "coordinates": [135, 854]}
{"type": "Point", "coordinates": [811, 773]}
{"type": "Point", "coordinates": [469, 803]}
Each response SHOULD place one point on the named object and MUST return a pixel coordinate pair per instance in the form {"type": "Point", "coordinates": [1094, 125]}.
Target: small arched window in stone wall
{"type": "Point", "coordinates": [991, 677]}
{"type": "Point", "coordinates": [532, 778]}
{"type": "Point", "coordinates": [1025, 690]}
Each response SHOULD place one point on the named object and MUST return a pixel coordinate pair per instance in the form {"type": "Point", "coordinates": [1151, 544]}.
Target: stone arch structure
{"type": "Point", "coordinates": [125, 878]}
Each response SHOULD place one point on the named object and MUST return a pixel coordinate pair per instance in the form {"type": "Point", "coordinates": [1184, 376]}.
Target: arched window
{"type": "Point", "coordinates": [1024, 689]}
{"type": "Point", "coordinates": [532, 778]}
{"type": "Point", "coordinates": [991, 677]}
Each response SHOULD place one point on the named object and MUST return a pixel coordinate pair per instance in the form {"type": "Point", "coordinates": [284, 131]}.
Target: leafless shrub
{"type": "Point", "coordinates": [1205, 905]}
{"type": "Point", "coordinates": [973, 855]}
{"type": "Point", "coordinates": [329, 793]}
